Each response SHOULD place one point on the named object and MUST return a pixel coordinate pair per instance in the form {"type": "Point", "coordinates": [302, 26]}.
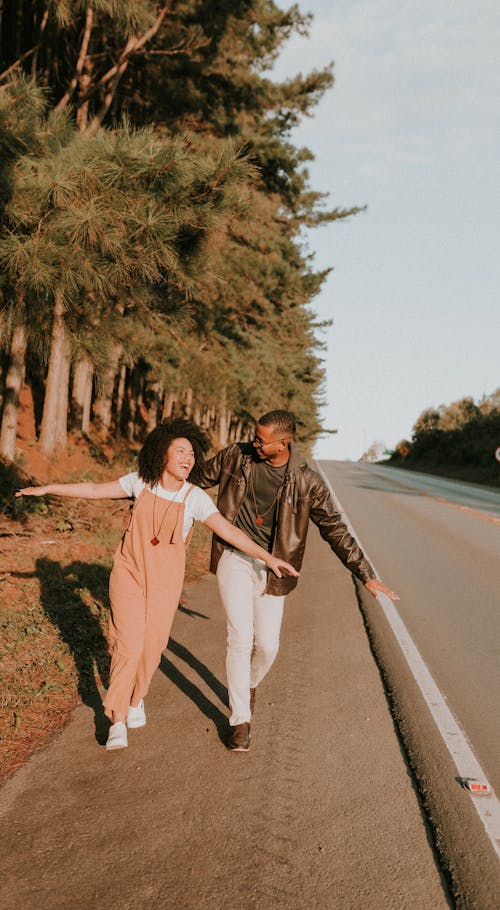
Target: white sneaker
{"type": "Point", "coordinates": [136, 717]}
{"type": "Point", "coordinates": [117, 736]}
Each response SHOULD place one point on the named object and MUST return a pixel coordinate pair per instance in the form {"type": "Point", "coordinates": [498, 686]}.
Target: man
{"type": "Point", "coordinates": [267, 489]}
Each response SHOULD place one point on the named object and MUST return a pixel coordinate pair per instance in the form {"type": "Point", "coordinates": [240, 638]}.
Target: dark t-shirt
{"type": "Point", "coordinates": [266, 482]}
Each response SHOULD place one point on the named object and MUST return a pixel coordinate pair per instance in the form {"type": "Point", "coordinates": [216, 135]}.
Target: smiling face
{"type": "Point", "coordinates": [271, 444]}
{"type": "Point", "coordinates": [179, 461]}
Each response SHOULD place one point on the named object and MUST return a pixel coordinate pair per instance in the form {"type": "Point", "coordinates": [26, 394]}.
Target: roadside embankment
{"type": "Point", "coordinates": [487, 475]}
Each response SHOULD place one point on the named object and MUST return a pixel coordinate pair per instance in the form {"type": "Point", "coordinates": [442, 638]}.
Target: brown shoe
{"type": "Point", "coordinates": [252, 700]}
{"type": "Point", "coordinates": [239, 738]}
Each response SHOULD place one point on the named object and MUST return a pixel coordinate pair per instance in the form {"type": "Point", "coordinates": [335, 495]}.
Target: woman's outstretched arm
{"type": "Point", "coordinates": [223, 528]}
{"type": "Point", "coordinates": [111, 490]}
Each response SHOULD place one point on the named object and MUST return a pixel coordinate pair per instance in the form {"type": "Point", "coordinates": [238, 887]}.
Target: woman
{"type": "Point", "coordinates": [149, 563]}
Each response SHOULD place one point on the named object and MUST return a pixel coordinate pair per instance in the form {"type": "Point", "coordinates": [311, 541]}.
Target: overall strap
{"type": "Point", "coordinates": [190, 533]}
{"type": "Point", "coordinates": [188, 491]}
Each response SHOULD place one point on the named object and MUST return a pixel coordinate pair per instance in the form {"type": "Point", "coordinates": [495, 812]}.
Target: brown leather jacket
{"type": "Point", "coordinates": [303, 496]}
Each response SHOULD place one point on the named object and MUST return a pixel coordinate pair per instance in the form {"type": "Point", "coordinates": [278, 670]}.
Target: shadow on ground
{"type": "Point", "coordinates": [207, 707]}
{"type": "Point", "coordinates": [80, 626]}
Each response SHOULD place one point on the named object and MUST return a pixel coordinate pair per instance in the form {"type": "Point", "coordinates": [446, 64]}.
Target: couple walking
{"type": "Point", "coordinates": [267, 495]}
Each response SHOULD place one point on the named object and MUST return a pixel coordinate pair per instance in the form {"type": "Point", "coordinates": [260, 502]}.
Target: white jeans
{"type": "Point", "coordinates": [253, 627]}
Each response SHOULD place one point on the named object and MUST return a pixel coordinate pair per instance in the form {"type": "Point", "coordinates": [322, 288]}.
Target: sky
{"type": "Point", "coordinates": [411, 129]}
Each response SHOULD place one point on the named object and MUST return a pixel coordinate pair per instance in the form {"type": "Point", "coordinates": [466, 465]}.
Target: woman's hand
{"type": "Point", "coordinates": [376, 587]}
{"type": "Point", "coordinates": [32, 491]}
{"type": "Point", "coordinates": [279, 564]}
{"type": "Point", "coordinates": [238, 539]}
{"type": "Point", "coordinates": [107, 490]}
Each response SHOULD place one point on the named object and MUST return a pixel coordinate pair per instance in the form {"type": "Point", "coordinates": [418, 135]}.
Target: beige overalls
{"type": "Point", "coordinates": [144, 589]}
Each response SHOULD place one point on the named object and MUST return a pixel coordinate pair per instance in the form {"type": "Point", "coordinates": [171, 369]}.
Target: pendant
{"type": "Point", "coordinates": [259, 520]}
{"type": "Point", "coordinates": [155, 541]}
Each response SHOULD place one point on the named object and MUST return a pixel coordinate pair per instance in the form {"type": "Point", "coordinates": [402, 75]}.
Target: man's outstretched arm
{"type": "Point", "coordinates": [376, 587]}
{"type": "Point", "coordinates": [334, 530]}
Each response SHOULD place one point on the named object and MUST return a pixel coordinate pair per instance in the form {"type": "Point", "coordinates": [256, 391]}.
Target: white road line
{"type": "Point", "coordinates": [467, 765]}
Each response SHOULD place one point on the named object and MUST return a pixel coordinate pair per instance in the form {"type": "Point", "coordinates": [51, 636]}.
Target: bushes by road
{"type": "Point", "coordinates": [457, 440]}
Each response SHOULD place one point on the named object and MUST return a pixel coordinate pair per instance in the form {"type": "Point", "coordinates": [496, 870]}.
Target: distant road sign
{"type": "Point", "coordinates": [497, 453]}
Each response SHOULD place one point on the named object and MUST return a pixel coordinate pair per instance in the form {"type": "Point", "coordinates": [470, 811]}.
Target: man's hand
{"type": "Point", "coordinates": [376, 587]}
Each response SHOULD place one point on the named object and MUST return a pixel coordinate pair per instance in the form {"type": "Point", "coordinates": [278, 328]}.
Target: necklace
{"type": "Point", "coordinates": [155, 540]}
{"type": "Point", "coordinates": [259, 516]}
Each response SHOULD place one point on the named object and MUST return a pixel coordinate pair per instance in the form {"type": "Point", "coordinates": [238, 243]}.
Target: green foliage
{"type": "Point", "coordinates": [12, 478]}
{"type": "Point", "coordinates": [173, 235]}
{"type": "Point", "coordinates": [461, 436]}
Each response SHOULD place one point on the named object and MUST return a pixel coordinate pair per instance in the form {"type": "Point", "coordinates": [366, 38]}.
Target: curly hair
{"type": "Point", "coordinates": [153, 454]}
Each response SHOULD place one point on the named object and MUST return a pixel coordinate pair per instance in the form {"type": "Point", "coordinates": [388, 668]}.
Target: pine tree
{"type": "Point", "coordinates": [21, 107]}
{"type": "Point", "coordinates": [106, 226]}
{"type": "Point", "coordinates": [163, 290]}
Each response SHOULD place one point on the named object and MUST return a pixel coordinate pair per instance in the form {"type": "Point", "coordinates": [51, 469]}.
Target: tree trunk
{"type": "Point", "coordinates": [104, 404]}
{"type": "Point", "coordinates": [223, 427]}
{"type": "Point", "coordinates": [81, 396]}
{"type": "Point", "coordinates": [188, 405]}
{"type": "Point", "coordinates": [132, 395]}
{"type": "Point", "coordinates": [13, 383]}
{"type": "Point", "coordinates": [154, 395]}
{"type": "Point", "coordinates": [61, 433]}
{"type": "Point", "coordinates": [54, 420]}
{"type": "Point", "coordinates": [205, 420]}
{"type": "Point", "coordinates": [235, 430]}
{"type": "Point", "coordinates": [168, 406]}
{"type": "Point", "coordinates": [120, 399]}
{"type": "Point", "coordinates": [87, 403]}
{"type": "Point", "coordinates": [131, 403]}
{"type": "Point", "coordinates": [212, 419]}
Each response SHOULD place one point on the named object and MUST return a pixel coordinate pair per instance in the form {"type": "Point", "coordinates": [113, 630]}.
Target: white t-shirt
{"type": "Point", "coordinates": [198, 505]}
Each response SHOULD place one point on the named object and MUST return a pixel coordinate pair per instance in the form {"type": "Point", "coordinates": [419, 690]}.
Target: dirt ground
{"type": "Point", "coordinates": [55, 561]}
{"type": "Point", "coordinates": [321, 813]}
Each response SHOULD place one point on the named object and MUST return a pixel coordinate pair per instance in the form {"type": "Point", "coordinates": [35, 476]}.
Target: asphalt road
{"type": "Point", "coordinates": [336, 806]}
{"type": "Point", "coordinates": [437, 542]}
{"type": "Point", "coordinates": [321, 814]}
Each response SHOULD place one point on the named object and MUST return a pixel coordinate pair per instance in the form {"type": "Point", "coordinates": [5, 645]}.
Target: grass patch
{"type": "Point", "coordinates": [486, 475]}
